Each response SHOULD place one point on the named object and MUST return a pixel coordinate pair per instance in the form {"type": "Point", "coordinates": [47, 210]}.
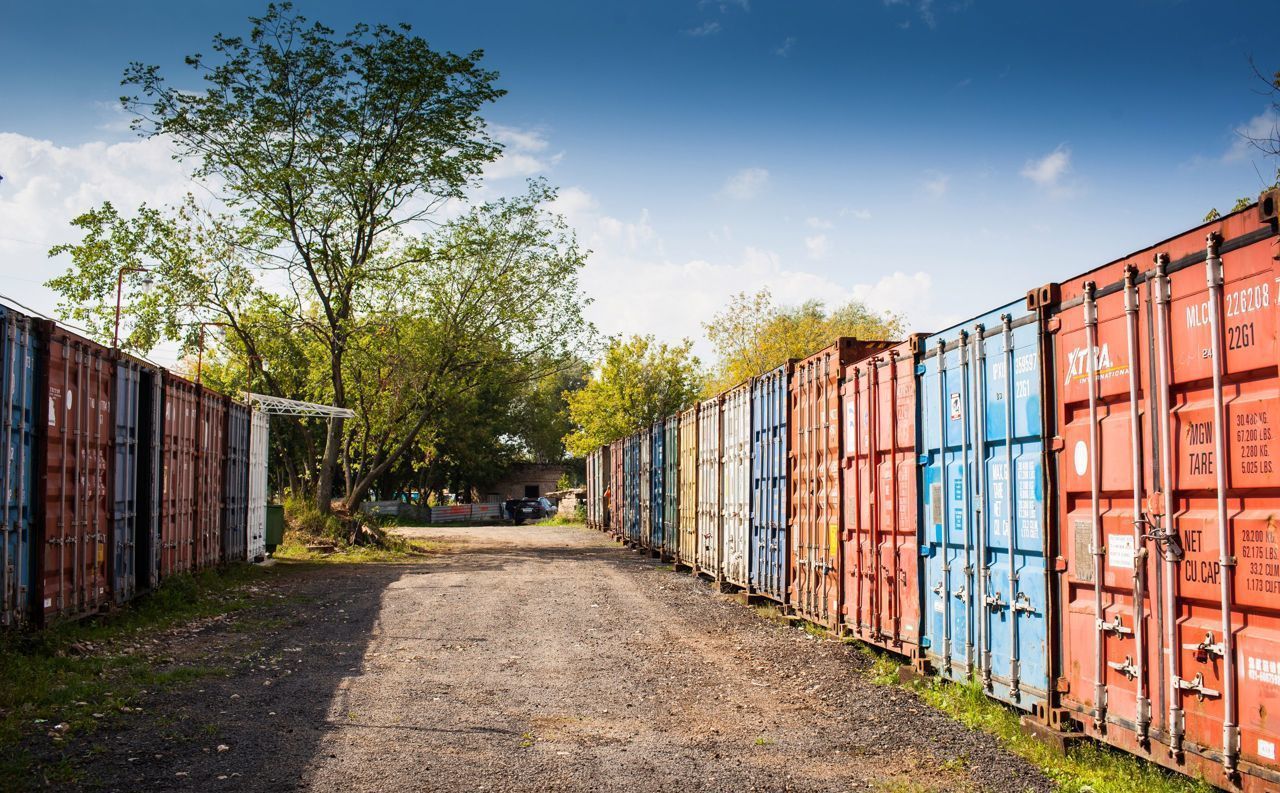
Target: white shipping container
{"type": "Point", "coordinates": [735, 490]}
{"type": "Point", "coordinates": [259, 435]}
{"type": "Point", "coordinates": [709, 517]}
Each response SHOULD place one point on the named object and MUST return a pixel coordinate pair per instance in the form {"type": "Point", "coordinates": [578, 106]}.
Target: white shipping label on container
{"type": "Point", "coordinates": [1120, 551]}
{"type": "Point", "coordinates": [1266, 749]}
{"type": "Point", "coordinates": [955, 407]}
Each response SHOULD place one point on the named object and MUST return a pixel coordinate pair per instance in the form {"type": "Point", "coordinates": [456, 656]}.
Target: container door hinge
{"type": "Point", "coordinates": [1057, 444]}
{"type": "Point", "coordinates": [1052, 325]}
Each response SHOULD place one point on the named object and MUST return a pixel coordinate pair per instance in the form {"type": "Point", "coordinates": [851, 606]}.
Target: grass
{"type": "Point", "coordinates": [561, 520]}
{"type": "Point", "coordinates": [306, 525]}
{"type": "Point", "coordinates": [78, 676]}
{"type": "Point", "coordinates": [395, 550]}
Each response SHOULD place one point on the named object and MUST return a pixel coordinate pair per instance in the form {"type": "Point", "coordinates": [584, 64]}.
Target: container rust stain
{"type": "Point", "coordinates": [181, 435]}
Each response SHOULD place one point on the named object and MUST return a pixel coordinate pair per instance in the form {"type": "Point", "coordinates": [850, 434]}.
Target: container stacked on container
{"type": "Point", "coordinates": [770, 479]}
{"type": "Point", "coordinates": [735, 485]}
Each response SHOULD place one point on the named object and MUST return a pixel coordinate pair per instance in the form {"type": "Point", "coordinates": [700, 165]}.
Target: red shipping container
{"type": "Point", "coordinates": [211, 458]}
{"type": "Point", "coordinates": [74, 450]}
{"type": "Point", "coordinates": [178, 493]}
{"type": "Point", "coordinates": [617, 524]}
{"type": "Point", "coordinates": [1167, 442]}
{"type": "Point", "coordinates": [816, 520]}
{"type": "Point", "coordinates": [881, 595]}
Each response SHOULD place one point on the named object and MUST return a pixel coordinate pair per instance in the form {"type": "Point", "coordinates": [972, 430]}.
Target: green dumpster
{"type": "Point", "coordinates": [275, 527]}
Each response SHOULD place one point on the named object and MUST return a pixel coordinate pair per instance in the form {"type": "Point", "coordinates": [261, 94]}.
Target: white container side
{"type": "Point", "coordinates": [735, 485]}
{"type": "Point", "coordinates": [259, 437]}
{"type": "Point", "coordinates": [709, 517]}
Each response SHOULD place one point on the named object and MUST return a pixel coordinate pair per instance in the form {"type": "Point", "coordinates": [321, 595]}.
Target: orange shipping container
{"type": "Point", "coordinates": [178, 496]}
{"type": "Point", "coordinates": [211, 462]}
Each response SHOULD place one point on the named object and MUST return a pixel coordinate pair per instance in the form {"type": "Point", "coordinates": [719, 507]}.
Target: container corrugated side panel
{"type": "Point", "coordinates": [644, 496]}
{"type": "Point", "coordinates": [606, 484]}
{"type": "Point", "coordinates": [178, 481]}
{"type": "Point", "coordinates": [593, 489]}
{"type": "Point", "coordinates": [618, 488]}
{"type": "Point", "coordinates": [735, 488]}
{"type": "Point", "coordinates": [210, 472]}
{"type": "Point", "coordinates": [259, 448]}
{"type": "Point", "coordinates": [1167, 499]}
{"type": "Point", "coordinates": [75, 457]}
{"type": "Point", "coordinates": [671, 489]}
{"type": "Point", "coordinates": [982, 496]}
{"type": "Point", "coordinates": [19, 357]}
{"type": "Point", "coordinates": [881, 594]}
{"type": "Point", "coordinates": [126, 418]}
{"type": "Point", "coordinates": [657, 472]}
{"type": "Point", "coordinates": [710, 455]}
{"type": "Point", "coordinates": [235, 510]}
{"type": "Point", "coordinates": [770, 406]}
{"type": "Point", "coordinates": [688, 487]}
{"type": "Point", "coordinates": [632, 509]}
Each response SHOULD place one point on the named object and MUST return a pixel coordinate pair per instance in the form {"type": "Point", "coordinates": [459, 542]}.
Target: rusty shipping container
{"type": "Point", "coordinates": [135, 483]}
{"type": "Point", "coordinates": [881, 594]}
{"type": "Point", "coordinates": [710, 454]}
{"type": "Point", "coordinates": [770, 474]}
{"type": "Point", "coordinates": [615, 492]}
{"type": "Point", "coordinates": [688, 529]}
{"type": "Point", "coordinates": [816, 517]}
{"type": "Point", "coordinates": [1167, 440]}
{"type": "Point", "coordinates": [180, 438]}
{"type": "Point", "coordinates": [235, 485]}
{"type": "Point", "coordinates": [735, 485]}
{"type": "Point", "coordinates": [211, 455]}
{"type": "Point", "coordinates": [20, 404]}
{"type": "Point", "coordinates": [74, 451]}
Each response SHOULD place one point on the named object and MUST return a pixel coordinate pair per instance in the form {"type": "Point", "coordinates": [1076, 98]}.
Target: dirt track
{"type": "Point", "coordinates": [533, 659]}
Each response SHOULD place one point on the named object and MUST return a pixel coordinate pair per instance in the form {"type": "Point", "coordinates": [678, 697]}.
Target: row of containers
{"type": "Point", "coordinates": [116, 475]}
{"type": "Point", "coordinates": [1073, 498]}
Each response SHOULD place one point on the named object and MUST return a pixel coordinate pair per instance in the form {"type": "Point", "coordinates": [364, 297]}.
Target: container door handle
{"type": "Point", "coordinates": [1127, 668]}
{"type": "Point", "coordinates": [994, 602]}
{"type": "Point", "coordinates": [1115, 626]}
{"type": "Point", "coordinates": [1196, 684]}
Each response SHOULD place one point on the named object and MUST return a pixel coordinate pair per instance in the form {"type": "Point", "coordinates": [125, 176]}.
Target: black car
{"type": "Point", "coordinates": [522, 509]}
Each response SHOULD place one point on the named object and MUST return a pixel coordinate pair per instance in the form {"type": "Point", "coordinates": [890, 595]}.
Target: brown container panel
{"type": "Point", "coordinates": [1168, 430]}
{"type": "Point", "coordinates": [688, 505]}
{"type": "Point", "coordinates": [75, 451]}
{"type": "Point", "coordinates": [881, 598]}
{"type": "Point", "coordinates": [817, 519]}
{"type": "Point", "coordinates": [210, 470]}
{"type": "Point", "coordinates": [178, 484]}
{"type": "Point", "coordinates": [615, 498]}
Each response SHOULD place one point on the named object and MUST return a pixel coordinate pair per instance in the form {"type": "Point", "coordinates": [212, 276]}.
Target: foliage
{"type": "Point", "coordinates": [639, 381]}
{"type": "Point", "coordinates": [1268, 143]}
{"type": "Point", "coordinates": [753, 335]}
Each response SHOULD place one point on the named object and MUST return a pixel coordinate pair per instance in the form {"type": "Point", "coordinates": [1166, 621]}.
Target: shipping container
{"type": "Point", "coordinates": [631, 491]}
{"type": "Point", "coordinates": [181, 435]}
{"type": "Point", "coordinates": [770, 467]}
{"type": "Point", "coordinates": [657, 499]}
{"type": "Point", "coordinates": [135, 519]}
{"type": "Point", "coordinates": [688, 533]}
{"type": "Point", "coordinates": [816, 517]}
{"type": "Point", "coordinates": [19, 354]}
{"type": "Point", "coordinates": [617, 488]}
{"type": "Point", "coordinates": [210, 474]}
{"type": "Point", "coordinates": [235, 486]}
{"type": "Point", "coordinates": [591, 479]}
{"type": "Point", "coordinates": [671, 490]}
{"type": "Point", "coordinates": [259, 449]}
{"type": "Point", "coordinates": [735, 485]}
{"type": "Point", "coordinates": [644, 496]}
{"type": "Point", "coordinates": [74, 453]}
{"type": "Point", "coordinates": [710, 454]}
{"type": "Point", "coordinates": [880, 599]}
{"type": "Point", "coordinates": [1167, 433]}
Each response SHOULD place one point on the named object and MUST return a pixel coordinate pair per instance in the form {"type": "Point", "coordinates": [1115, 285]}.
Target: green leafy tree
{"type": "Point", "coordinates": [753, 335]}
{"type": "Point", "coordinates": [639, 381]}
{"type": "Point", "coordinates": [1266, 141]}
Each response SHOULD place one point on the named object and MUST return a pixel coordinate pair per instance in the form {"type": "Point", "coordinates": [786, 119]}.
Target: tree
{"type": "Point", "coordinates": [325, 148]}
{"type": "Point", "coordinates": [1266, 141]}
{"type": "Point", "coordinates": [753, 335]}
{"type": "Point", "coordinates": [638, 382]}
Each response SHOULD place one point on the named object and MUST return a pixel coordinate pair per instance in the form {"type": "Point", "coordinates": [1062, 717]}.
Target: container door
{"type": "Point", "coordinates": [657, 504]}
{"type": "Point", "coordinates": [259, 439]}
{"type": "Point", "coordinates": [17, 476]}
{"type": "Point", "coordinates": [689, 496]}
{"type": "Point", "coordinates": [671, 487]}
{"type": "Point", "coordinates": [124, 480]}
{"type": "Point", "coordinates": [769, 485]}
{"type": "Point", "coordinates": [816, 497]}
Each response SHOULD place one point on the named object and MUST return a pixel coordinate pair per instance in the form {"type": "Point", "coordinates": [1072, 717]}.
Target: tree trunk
{"type": "Point", "coordinates": [333, 439]}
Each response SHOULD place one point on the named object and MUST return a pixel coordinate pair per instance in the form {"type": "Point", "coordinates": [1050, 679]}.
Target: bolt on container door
{"type": "Point", "coordinates": [987, 609]}
{"type": "Point", "coordinates": [671, 489]}
{"type": "Point", "coordinates": [235, 508]}
{"type": "Point", "coordinates": [178, 482]}
{"type": "Point", "coordinates": [259, 445]}
{"type": "Point", "coordinates": [74, 479]}
{"type": "Point", "coordinates": [617, 488]}
{"type": "Point", "coordinates": [19, 353]}
{"type": "Point", "coordinates": [688, 532]}
{"type": "Point", "coordinates": [644, 494]}
{"type": "Point", "coordinates": [770, 409]}
{"type": "Point", "coordinates": [816, 516]}
{"type": "Point", "coordinates": [210, 472]}
{"type": "Point", "coordinates": [881, 552]}
{"type": "Point", "coordinates": [735, 489]}
{"type": "Point", "coordinates": [134, 485]}
{"type": "Point", "coordinates": [710, 455]}
{"type": "Point", "coordinates": [1168, 433]}
{"type": "Point", "coordinates": [657, 472]}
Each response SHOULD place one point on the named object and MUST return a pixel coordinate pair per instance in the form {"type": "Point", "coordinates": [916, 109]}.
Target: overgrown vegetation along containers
{"type": "Point", "coordinates": [710, 454]}
{"type": "Point", "coordinates": [617, 488]}
{"type": "Point", "coordinates": [235, 485]}
{"type": "Point", "coordinates": [259, 450]}
{"type": "Point", "coordinates": [735, 485]}
{"type": "Point", "coordinates": [657, 489]}
{"type": "Point", "coordinates": [181, 434]}
{"type": "Point", "coordinates": [135, 478]}
{"type": "Point", "coordinates": [644, 495]}
{"type": "Point", "coordinates": [631, 493]}
{"type": "Point", "coordinates": [688, 531]}
{"type": "Point", "coordinates": [671, 489]}
{"type": "Point", "coordinates": [987, 608]}
{"type": "Point", "coordinates": [74, 453]}
{"type": "Point", "coordinates": [770, 474]}
{"type": "Point", "coordinates": [881, 594]}
{"type": "Point", "coordinates": [210, 473]}
{"type": "Point", "coordinates": [19, 350]}
{"type": "Point", "coordinates": [1168, 436]}
{"type": "Point", "coordinates": [816, 515]}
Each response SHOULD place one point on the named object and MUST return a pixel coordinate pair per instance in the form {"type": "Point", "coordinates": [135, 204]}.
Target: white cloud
{"type": "Point", "coordinates": [936, 184]}
{"type": "Point", "coordinates": [745, 184]}
{"type": "Point", "coordinates": [1264, 126]}
{"type": "Point", "coordinates": [784, 49]}
{"type": "Point", "coordinates": [523, 154]}
{"type": "Point", "coordinates": [817, 246]}
{"type": "Point", "coordinates": [817, 223]}
{"type": "Point", "coordinates": [856, 214]}
{"type": "Point", "coordinates": [1049, 169]}
{"type": "Point", "coordinates": [708, 28]}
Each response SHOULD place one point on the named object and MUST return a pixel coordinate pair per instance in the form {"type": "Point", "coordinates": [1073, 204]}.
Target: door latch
{"type": "Point", "coordinates": [1127, 668]}
{"type": "Point", "coordinates": [1115, 626]}
{"type": "Point", "coordinates": [1196, 684]}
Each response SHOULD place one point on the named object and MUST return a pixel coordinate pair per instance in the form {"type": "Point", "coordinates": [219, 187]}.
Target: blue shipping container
{"type": "Point", "coordinates": [135, 479]}
{"type": "Point", "coordinates": [235, 485]}
{"type": "Point", "coordinates": [770, 435]}
{"type": "Point", "coordinates": [18, 350]}
{"type": "Point", "coordinates": [982, 505]}
{"type": "Point", "coordinates": [631, 475]}
{"type": "Point", "coordinates": [657, 477]}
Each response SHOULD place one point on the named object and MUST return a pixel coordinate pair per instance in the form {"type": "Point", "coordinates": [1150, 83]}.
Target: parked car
{"type": "Point", "coordinates": [522, 509]}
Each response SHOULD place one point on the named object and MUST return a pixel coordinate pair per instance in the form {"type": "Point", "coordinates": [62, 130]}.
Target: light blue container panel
{"type": "Point", "coordinates": [18, 352]}
{"type": "Point", "coordinates": [631, 472]}
{"type": "Point", "coordinates": [770, 436]}
{"type": "Point", "coordinates": [657, 476]}
{"type": "Point", "coordinates": [982, 505]}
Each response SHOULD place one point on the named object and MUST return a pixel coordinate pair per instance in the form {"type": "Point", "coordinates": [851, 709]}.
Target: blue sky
{"type": "Point", "coordinates": [933, 158]}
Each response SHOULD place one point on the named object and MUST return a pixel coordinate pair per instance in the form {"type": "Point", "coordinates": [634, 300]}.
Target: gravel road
{"type": "Point", "coordinates": [530, 658]}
